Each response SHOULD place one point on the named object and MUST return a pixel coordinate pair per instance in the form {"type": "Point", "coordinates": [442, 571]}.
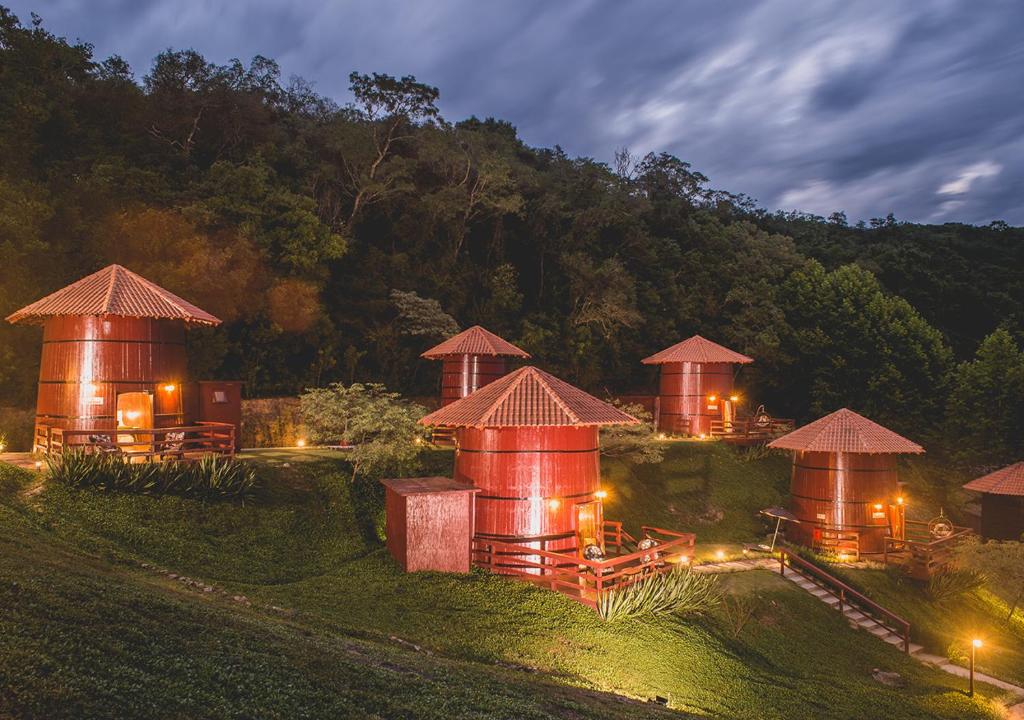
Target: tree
{"type": "Point", "coordinates": [985, 412]}
{"type": "Point", "coordinates": [381, 425]}
{"type": "Point", "coordinates": [633, 444]}
{"type": "Point", "coordinates": [422, 317]}
{"type": "Point", "coordinates": [1001, 562]}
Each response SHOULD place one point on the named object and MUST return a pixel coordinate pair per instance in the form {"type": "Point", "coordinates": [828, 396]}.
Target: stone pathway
{"type": "Point", "coordinates": [732, 566]}
{"type": "Point", "coordinates": [858, 619]}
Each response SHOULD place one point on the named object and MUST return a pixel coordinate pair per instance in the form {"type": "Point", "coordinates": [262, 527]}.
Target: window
{"type": "Point", "coordinates": [220, 397]}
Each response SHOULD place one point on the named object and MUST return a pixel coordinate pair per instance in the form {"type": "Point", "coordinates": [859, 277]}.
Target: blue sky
{"type": "Point", "coordinates": [912, 107]}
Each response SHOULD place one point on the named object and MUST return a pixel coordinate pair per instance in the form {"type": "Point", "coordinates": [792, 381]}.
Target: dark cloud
{"type": "Point", "coordinates": [872, 107]}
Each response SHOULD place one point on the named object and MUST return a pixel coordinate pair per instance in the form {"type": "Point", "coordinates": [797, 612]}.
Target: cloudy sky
{"type": "Point", "coordinates": [913, 107]}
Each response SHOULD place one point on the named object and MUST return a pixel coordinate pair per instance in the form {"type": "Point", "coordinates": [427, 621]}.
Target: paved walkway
{"type": "Point", "coordinates": [858, 619]}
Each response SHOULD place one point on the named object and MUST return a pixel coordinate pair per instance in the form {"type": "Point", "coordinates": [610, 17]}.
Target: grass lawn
{"type": "Point", "coordinates": [95, 633]}
{"type": "Point", "coordinates": [949, 626]}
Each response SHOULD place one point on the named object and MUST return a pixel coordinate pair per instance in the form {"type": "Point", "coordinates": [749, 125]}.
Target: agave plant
{"type": "Point", "coordinates": [679, 592]}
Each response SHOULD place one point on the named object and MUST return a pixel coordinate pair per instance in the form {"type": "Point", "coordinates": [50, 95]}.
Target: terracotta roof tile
{"type": "Point", "coordinates": [845, 431]}
{"type": "Point", "coordinates": [475, 341]}
{"type": "Point", "coordinates": [114, 290]}
{"type": "Point", "coordinates": [699, 350]}
{"type": "Point", "coordinates": [1008, 481]}
{"type": "Point", "coordinates": [528, 397]}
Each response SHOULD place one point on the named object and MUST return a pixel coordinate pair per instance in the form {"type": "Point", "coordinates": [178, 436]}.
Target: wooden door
{"type": "Point", "coordinates": [134, 412]}
{"type": "Point", "coordinates": [589, 525]}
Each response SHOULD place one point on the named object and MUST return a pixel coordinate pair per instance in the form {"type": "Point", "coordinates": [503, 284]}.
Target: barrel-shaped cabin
{"type": "Point", "coordinates": [530, 442]}
{"type": "Point", "coordinates": [113, 370]}
{"type": "Point", "coordinates": [471, 360]}
{"type": "Point", "coordinates": [845, 489]}
{"type": "Point", "coordinates": [1002, 503]}
{"type": "Point", "coordinates": [696, 386]}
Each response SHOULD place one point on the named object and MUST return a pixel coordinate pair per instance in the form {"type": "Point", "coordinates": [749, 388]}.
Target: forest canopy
{"type": "Point", "coordinates": [339, 241]}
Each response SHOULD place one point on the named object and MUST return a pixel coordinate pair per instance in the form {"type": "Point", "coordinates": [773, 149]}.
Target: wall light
{"type": "Point", "coordinates": [734, 398]}
{"type": "Point", "coordinates": [601, 494]}
{"type": "Point", "coordinates": [554, 504]}
{"type": "Point", "coordinates": [169, 387]}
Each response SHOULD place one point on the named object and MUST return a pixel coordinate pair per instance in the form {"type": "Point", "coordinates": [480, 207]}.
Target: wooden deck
{"type": "Point", "coordinates": [585, 580]}
{"type": "Point", "coordinates": [747, 431]}
{"type": "Point", "coordinates": [183, 443]}
{"type": "Point", "coordinates": [919, 554]}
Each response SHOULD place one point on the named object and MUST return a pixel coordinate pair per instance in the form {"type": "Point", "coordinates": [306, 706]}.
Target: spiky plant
{"type": "Point", "coordinates": [679, 591]}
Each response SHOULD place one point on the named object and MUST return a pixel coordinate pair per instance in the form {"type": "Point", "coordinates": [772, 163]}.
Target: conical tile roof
{"type": "Point", "coordinates": [845, 431]}
{"type": "Point", "coordinates": [114, 290]}
{"type": "Point", "coordinates": [699, 350]}
{"type": "Point", "coordinates": [528, 397]}
{"type": "Point", "coordinates": [475, 341]}
{"type": "Point", "coordinates": [1008, 481]}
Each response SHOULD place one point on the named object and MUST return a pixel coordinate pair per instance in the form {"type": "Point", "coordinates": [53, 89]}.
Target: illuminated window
{"type": "Point", "coordinates": [220, 397]}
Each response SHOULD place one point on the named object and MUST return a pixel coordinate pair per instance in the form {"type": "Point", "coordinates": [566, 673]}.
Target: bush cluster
{"type": "Point", "coordinates": [210, 478]}
{"type": "Point", "coordinates": [679, 592]}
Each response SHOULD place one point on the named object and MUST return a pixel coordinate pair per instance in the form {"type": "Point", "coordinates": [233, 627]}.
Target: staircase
{"type": "Point", "coordinates": [859, 610]}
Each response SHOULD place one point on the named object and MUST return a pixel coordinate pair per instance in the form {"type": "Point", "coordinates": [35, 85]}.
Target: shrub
{"type": "Point", "coordinates": [211, 478]}
{"type": "Point", "coordinates": [951, 584]}
{"type": "Point", "coordinates": [740, 610]}
{"type": "Point", "coordinates": [679, 592]}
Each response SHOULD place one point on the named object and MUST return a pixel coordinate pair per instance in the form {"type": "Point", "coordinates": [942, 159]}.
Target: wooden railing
{"type": "Point", "coordinates": [847, 596]}
{"type": "Point", "coordinates": [920, 554]}
{"type": "Point", "coordinates": [156, 444]}
{"type": "Point", "coordinates": [581, 579]}
{"type": "Point", "coordinates": [749, 429]}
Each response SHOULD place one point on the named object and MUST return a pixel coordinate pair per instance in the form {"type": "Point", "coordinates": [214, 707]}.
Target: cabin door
{"type": "Point", "coordinates": [898, 521]}
{"type": "Point", "coordinates": [134, 412]}
{"type": "Point", "coordinates": [589, 525]}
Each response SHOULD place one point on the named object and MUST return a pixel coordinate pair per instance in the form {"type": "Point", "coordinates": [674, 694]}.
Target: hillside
{"type": "Point", "coordinates": [325, 624]}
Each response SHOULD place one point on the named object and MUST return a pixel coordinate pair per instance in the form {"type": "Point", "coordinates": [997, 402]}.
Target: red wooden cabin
{"type": "Point", "coordinates": [696, 386]}
{"type": "Point", "coordinates": [429, 523]}
{"type": "Point", "coordinates": [844, 488]}
{"type": "Point", "coordinates": [530, 443]}
{"type": "Point", "coordinates": [113, 372]}
{"type": "Point", "coordinates": [470, 360]}
{"type": "Point", "coordinates": [1002, 503]}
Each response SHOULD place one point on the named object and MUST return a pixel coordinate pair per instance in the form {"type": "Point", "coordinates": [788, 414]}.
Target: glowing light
{"type": "Point", "coordinates": [734, 398]}
{"type": "Point", "coordinates": [843, 557]}
{"type": "Point", "coordinates": [702, 436]}
{"type": "Point", "coordinates": [976, 642]}
{"type": "Point", "coordinates": [601, 494]}
{"type": "Point", "coordinates": [720, 555]}
{"type": "Point", "coordinates": [169, 387]}
{"type": "Point", "coordinates": [301, 442]}
{"type": "Point", "coordinates": [684, 559]}
{"type": "Point", "coordinates": [39, 464]}
{"type": "Point", "coordinates": [132, 414]}
{"type": "Point", "coordinates": [417, 441]}
{"type": "Point", "coordinates": [878, 506]}
{"type": "Point", "coordinates": [554, 504]}
{"type": "Point", "coordinates": [899, 500]}
{"type": "Point", "coordinates": [661, 436]}
{"type": "Point", "coordinates": [712, 398]}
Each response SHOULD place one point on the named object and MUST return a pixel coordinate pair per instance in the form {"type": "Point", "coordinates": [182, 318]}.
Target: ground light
{"type": "Point", "coordinates": [975, 644]}
{"type": "Point", "coordinates": [720, 554]}
{"type": "Point", "coordinates": [301, 442]}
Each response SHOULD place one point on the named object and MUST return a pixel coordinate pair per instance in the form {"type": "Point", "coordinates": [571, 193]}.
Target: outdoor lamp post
{"type": "Point", "coordinates": [975, 644]}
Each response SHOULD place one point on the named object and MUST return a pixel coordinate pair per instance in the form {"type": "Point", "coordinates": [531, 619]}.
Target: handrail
{"type": "Point", "coordinates": [574, 575]}
{"type": "Point", "coordinates": [843, 592]}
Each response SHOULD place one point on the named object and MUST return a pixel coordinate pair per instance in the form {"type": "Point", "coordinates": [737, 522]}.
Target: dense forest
{"type": "Point", "coordinates": [338, 242]}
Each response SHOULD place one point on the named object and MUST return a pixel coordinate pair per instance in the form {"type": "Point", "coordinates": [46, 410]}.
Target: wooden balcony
{"type": "Point", "coordinates": [187, 442]}
{"type": "Point", "coordinates": [749, 430]}
{"type": "Point", "coordinates": [581, 579]}
{"type": "Point", "coordinates": [919, 553]}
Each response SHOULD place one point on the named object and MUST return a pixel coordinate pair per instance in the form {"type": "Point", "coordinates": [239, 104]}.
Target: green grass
{"type": "Point", "coordinates": [953, 623]}
{"type": "Point", "coordinates": [707, 488]}
{"type": "Point", "coordinates": [93, 633]}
